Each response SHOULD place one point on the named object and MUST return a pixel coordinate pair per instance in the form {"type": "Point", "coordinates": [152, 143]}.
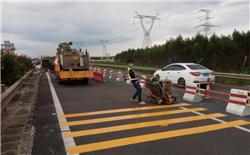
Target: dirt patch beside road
{"type": "Point", "coordinates": [16, 125]}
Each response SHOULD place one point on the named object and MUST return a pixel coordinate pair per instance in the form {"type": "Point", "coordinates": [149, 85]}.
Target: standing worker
{"type": "Point", "coordinates": [135, 82]}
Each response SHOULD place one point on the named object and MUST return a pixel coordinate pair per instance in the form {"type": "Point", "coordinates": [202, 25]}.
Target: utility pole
{"type": "Point", "coordinates": [147, 31]}
{"type": "Point", "coordinates": [206, 25]}
{"type": "Point", "coordinates": [104, 48]}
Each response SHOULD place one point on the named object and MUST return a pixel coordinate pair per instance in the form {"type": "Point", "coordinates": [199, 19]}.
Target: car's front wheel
{"type": "Point", "coordinates": [181, 82]}
{"type": "Point", "coordinates": [60, 81]}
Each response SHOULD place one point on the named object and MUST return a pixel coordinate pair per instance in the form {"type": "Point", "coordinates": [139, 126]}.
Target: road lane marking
{"type": "Point", "coordinates": [121, 110]}
{"type": "Point", "coordinates": [68, 142]}
{"type": "Point", "coordinates": [153, 137]}
{"type": "Point", "coordinates": [219, 120]}
{"type": "Point", "coordinates": [124, 117]}
{"type": "Point", "coordinates": [140, 125]}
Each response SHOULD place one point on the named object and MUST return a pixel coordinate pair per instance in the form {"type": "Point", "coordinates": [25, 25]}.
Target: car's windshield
{"type": "Point", "coordinates": [196, 67]}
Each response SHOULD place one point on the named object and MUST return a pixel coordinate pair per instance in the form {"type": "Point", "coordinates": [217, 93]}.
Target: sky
{"type": "Point", "coordinates": [37, 27]}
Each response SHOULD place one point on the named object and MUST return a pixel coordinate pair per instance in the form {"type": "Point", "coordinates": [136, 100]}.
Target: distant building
{"type": "Point", "coordinates": [7, 47]}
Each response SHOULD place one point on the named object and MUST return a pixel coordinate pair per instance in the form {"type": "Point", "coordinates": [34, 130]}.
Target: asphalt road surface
{"type": "Point", "coordinates": [103, 121]}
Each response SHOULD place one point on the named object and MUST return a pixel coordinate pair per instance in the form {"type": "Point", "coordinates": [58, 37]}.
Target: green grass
{"type": "Point", "coordinates": [232, 81]}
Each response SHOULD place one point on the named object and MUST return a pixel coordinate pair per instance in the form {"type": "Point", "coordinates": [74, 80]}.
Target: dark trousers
{"type": "Point", "coordinates": [137, 86]}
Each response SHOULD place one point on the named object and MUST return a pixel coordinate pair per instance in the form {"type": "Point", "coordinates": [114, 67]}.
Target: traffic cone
{"type": "Point", "coordinates": [124, 77]}
{"type": "Point", "coordinates": [142, 81]}
{"type": "Point", "coordinates": [110, 74]}
{"type": "Point", "coordinates": [118, 78]}
{"type": "Point", "coordinates": [207, 94]}
{"type": "Point", "coordinates": [104, 72]}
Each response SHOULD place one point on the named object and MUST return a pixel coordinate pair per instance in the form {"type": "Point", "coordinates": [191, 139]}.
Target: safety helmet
{"type": "Point", "coordinates": [157, 77]}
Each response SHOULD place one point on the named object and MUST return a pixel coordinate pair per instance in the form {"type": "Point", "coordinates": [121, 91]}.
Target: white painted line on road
{"type": "Point", "coordinates": [219, 120]}
{"type": "Point", "coordinates": [68, 141]}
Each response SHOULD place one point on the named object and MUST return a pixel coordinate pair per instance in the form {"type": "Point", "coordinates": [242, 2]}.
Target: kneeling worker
{"type": "Point", "coordinates": [135, 82]}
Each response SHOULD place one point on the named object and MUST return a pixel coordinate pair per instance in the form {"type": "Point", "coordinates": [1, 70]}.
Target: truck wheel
{"type": "Point", "coordinates": [85, 81]}
{"type": "Point", "coordinates": [60, 81]}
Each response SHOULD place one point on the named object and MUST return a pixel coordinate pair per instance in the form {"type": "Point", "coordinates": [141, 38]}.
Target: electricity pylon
{"type": "Point", "coordinates": [206, 25]}
{"type": "Point", "coordinates": [147, 31]}
{"type": "Point", "coordinates": [104, 48]}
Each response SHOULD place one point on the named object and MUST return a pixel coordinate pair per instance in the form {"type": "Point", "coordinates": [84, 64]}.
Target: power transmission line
{"type": "Point", "coordinates": [78, 44]}
{"type": "Point", "coordinates": [122, 33]}
{"type": "Point", "coordinates": [147, 31]}
{"type": "Point", "coordinates": [206, 25]}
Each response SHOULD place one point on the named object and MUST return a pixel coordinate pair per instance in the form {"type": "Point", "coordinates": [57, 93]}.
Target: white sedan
{"type": "Point", "coordinates": [182, 73]}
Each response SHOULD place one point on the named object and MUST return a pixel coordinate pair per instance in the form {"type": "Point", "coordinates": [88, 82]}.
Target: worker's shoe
{"type": "Point", "coordinates": [141, 102]}
{"type": "Point", "coordinates": [133, 100]}
{"type": "Point", "coordinates": [160, 101]}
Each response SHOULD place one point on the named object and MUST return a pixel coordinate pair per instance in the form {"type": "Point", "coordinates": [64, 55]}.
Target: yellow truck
{"type": "Point", "coordinates": [46, 62]}
{"type": "Point", "coordinates": [72, 64]}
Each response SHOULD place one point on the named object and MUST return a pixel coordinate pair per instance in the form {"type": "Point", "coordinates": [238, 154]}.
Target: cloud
{"type": "Point", "coordinates": [38, 27]}
{"type": "Point", "coordinates": [31, 47]}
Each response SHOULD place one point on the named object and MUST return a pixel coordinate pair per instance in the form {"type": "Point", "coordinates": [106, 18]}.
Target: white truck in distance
{"type": "Point", "coordinates": [182, 73]}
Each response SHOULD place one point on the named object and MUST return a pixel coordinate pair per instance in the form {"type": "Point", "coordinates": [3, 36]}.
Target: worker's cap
{"type": "Point", "coordinates": [157, 77]}
{"type": "Point", "coordinates": [130, 61]}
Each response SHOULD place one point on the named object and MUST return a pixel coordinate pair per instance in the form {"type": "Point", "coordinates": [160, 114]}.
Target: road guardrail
{"type": "Point", "coordinates": [233, 75]}
{"type": "Point", "coordinates": [8, 94]}
{"type": "Point", "coordinates": [219, 74]}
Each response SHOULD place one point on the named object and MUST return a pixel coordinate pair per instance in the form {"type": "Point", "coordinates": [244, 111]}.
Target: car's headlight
{"type": "Point", "coordinates": [212, 73]}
